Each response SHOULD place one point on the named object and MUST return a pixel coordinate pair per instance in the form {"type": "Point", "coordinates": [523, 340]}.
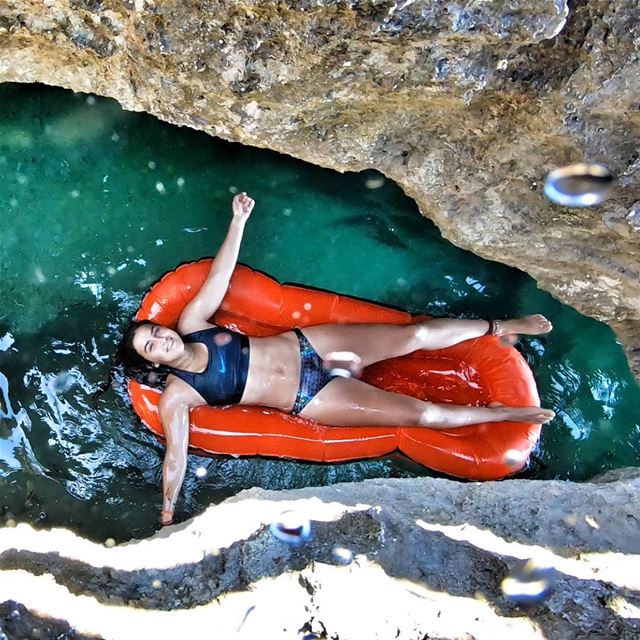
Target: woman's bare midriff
{"type": "Point", "coordinates": [274, 371]}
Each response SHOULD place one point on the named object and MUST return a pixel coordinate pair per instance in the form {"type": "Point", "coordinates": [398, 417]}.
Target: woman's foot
{"type": "Point", "coordinates": [533, 325]}
{"type": "Point", "coordinates": [532, 415]}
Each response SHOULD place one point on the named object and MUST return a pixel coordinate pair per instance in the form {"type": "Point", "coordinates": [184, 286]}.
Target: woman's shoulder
{"type": "Point", "coordinates": [187, 326]}
{"type": "Point", "coordinates": [178, 391]}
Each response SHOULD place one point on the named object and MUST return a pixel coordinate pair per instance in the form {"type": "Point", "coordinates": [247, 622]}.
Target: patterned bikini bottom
{"type": "Point", "coordinates": [313, 376]}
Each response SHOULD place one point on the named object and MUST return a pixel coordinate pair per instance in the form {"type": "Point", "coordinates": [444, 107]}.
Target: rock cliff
{"type": "Point", "coordinates": [466, 105]}
{"type": "Point", "coordinates": [421, 558]}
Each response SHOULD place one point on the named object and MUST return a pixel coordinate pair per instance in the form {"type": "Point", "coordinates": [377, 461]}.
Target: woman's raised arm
{"type": "Point", "coordinates": [208, 299]}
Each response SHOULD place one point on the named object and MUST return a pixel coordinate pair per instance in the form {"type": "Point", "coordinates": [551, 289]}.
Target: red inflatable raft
{"type": "Point", "coordinates": [474, 372]}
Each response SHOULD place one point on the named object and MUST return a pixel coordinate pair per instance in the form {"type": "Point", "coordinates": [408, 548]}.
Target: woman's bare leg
{"type": "Point", "coordinates": [350, 402]}
{"type": "Point", "coordinates": [375, 342]}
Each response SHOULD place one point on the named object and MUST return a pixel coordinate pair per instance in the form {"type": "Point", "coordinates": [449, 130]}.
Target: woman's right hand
{"type": "Point", "coordinates": [166, 518]}
{"type": "Point", "coordinates": [242, 206]}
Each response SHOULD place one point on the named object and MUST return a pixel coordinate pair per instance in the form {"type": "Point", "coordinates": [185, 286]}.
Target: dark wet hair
{"type": "Point", "coordinates": [129, 364]}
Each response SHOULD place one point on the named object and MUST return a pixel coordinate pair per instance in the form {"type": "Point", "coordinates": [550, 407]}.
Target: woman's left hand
{"type": "Point", "coordinates": [242, 206]}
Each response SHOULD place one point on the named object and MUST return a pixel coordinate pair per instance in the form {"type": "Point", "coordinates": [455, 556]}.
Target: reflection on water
{"type": "Point", "coordinates": [13, 424]}
{"type": "Point", "coordinates": [97, 203]}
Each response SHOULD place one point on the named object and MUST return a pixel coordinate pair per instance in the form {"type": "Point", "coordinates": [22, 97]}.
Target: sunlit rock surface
{"type": "Point", "coordinates": [419, 558]}
{"type": "Point", "coordinates": [467, 105]}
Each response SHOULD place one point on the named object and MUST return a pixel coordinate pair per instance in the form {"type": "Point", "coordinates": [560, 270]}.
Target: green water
{"type": "Point", "coordinates": [97, 203]}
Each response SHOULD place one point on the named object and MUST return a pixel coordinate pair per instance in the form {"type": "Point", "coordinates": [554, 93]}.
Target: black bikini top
{"type": "Point", "coordinates": [225, 376]}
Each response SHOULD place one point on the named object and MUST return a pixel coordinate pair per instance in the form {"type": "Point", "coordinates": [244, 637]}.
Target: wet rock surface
{"type": "Point", "coordinates": [420, 558]}
{"type": "Point", "coordinates": [466, 105]}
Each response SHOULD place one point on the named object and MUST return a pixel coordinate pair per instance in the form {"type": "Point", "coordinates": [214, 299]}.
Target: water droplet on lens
{"type": "Point", "coordinates": [151, 164]}
{"type": "Point", "coordinates": [578, 185]}
{"type": "Point", "coordinates": [180, 182]}
{"type": "Point", "coordinates": [160, 187]}
{"type": "Point", "coordinates": [529, 583]}
{"type": "Point", "coordinates": [514, 457]}
{"type": "Point", "coordinates": [39, 275]}
{"type": "Point", "coordinates": [201, 472]}
{"type": "Point", "coordinates": [62, 382]}
{"type": "Point", "coordinates": [343, 555]}
{"type": "Point", "coordinates": [109, 543]}
{"type": "Point", "coordinates": [156, 584]}
{"type": "Point", "coordinates": [291, 527]}
{"type": "Point", "coordinates": [221, 339]}
{"type": "Point", "coordinates": [344, 364]}
{"type": "Point", "coordinates": [508, 340]}
{"type": "Point", "coordinates": [570, 520]}
{"type": "Point", "coordinates": [90, 100]}
{"type": "Point", "coordinates": [374, 182]}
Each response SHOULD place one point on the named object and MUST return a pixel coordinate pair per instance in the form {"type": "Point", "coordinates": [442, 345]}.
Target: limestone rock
{"type": "Point", "coordinates": [386, 559]}
{"type": "Point", "coordinates": [466, 105]}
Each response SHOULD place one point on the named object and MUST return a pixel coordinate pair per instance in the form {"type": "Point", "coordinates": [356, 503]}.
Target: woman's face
{"type": "Point", "coordinates": [158, 344]}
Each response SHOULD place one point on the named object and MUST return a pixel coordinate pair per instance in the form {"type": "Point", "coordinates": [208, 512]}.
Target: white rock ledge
{"type": "Point", "coordinates": [428, 559]}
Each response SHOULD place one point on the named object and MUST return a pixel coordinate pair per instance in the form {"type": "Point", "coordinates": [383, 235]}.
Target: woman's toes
{"type": "Point", "coordinates": [544, 323]}
{"type": "Point", "coordinates": [537, 324]}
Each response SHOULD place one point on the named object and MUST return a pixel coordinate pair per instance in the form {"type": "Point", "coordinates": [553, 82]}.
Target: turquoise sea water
{"type": "Point", "coordinates": [97, 204]}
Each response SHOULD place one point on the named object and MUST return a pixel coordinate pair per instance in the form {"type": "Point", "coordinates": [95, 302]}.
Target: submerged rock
{"type": "Point", "coordinates": [466, 105]}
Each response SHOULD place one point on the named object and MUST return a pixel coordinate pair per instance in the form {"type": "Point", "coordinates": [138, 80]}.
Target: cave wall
{"type": "Point", "coordinates": [466, 105]}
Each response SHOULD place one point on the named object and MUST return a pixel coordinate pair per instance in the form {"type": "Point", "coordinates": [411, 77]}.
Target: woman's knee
{"type": "Point", "coordinates": [413, 413]}
{"type": "Point", "coordinates": [430, 415]}
{"type": "Point", "coordinates": [413, 336]}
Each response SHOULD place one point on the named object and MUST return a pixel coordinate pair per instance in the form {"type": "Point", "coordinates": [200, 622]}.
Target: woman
{"type": "Point", "coordinates": [211, 365]}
